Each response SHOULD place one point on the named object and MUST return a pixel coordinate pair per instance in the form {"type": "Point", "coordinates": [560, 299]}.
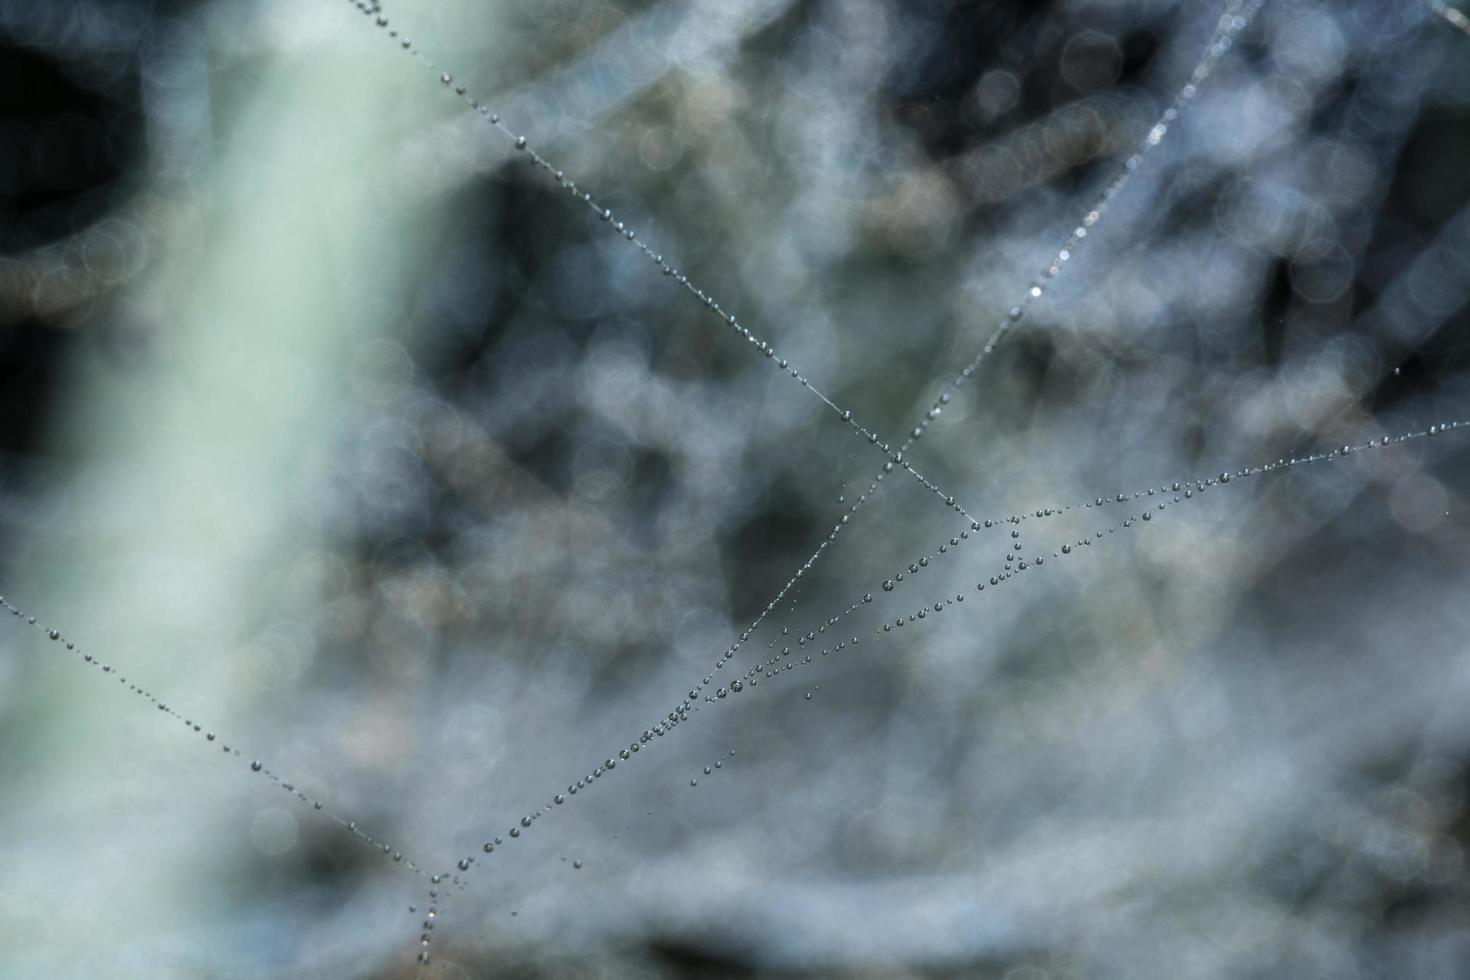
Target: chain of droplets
{"type": "Point", "coordinates": [1234, 20]}
{"type": "Point", "coordinates": [1158, 498]}
{"type": "Point", "coordinates": [1231, 25]}
{"type": "Point", "coordinates": [777, 664]}
{"type": "Point", "coordinates": [762, 347]}
{"type": "Point", "coordinates": [770, 667]}
{"type": "Point", "coordinates": [1236, 17]}
{"type": "Point", "coordinates": [1452, 16]}
{"type": "Point", "coordinates": [54, 634]}
{"type": "Point", "coordinates": [1224, 477]}
{"type": "Point", "coordinates": [1184, 489]}
{"type": "Point", "coordinates": [682, 711]}
{"type": "Point", "coordinates": [1013, 565]}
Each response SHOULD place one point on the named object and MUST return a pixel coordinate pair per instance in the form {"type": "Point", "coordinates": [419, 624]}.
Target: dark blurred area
{"type": "Point", "coordinates": [337, 421]}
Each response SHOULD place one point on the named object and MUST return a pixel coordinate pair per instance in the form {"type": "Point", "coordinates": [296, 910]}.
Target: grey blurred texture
{"type": "Point", "coordinates": [344, 430]}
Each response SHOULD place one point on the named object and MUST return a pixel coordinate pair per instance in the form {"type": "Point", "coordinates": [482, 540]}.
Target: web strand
{"type": "Point", "coordinates": [761, 347]}
{"type": "Point", "coordinates": [1236, 17]}
{"type": "Point", "coordinates": [397, 856]}
{"type": "Point", "coordinates": [1232, 22]}
{"type": "Point", "coordinates": [1156, 500]}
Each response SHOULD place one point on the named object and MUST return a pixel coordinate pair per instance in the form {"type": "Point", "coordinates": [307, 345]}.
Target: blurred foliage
{"type": "Point", "coordinates": [338, 423]}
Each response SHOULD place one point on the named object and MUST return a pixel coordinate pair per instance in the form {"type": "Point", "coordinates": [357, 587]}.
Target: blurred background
{"type": "Point", "coordinates": [340, 428]}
